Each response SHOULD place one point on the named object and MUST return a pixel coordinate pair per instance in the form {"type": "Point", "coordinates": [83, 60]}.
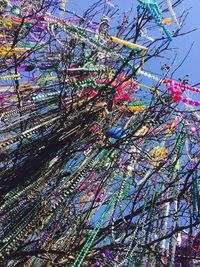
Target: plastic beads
{"type": "Point", "coordinates": [153, 8]}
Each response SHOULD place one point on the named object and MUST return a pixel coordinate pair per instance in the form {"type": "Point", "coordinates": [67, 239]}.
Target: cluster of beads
{"type": "Point", "coordinates": [10, 77]}
{"type": "Point", "coordinates": [176, 90]}
{"type": "Point", "coordinates": [153, 8]}
{"type": "Point", "coordinates": [159, 152]}
{"type": "Point", "coordinates": [132, 108]}
{"type": "Point", "coordinates": [172, 13]}
{"type": "Point", "coordinates": [42, 97]}
{"type": "Point", "coordinates": [149, 75]}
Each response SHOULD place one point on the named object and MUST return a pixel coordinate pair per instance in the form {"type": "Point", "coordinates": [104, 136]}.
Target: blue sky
{"type": "Point", "coordinates": [191, 65]}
